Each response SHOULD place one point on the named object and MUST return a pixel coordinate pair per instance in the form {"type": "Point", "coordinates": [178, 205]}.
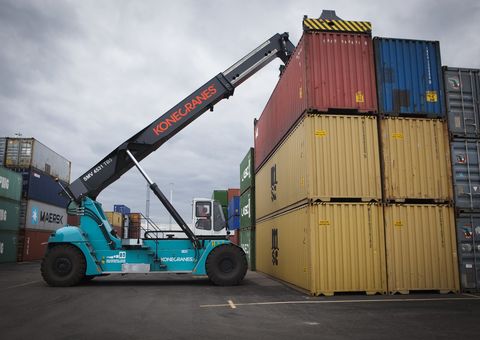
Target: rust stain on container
{"type": "Point", "coordinates": [325, 248]}
{"type": "Point", "coordinates": [325, 157]}
{"type": "Point", "coordinates": [328, 71]}
{"type": "Point", "coordinates": [421, 248]}
{"type": "Point", "coordinates": [416, 159]}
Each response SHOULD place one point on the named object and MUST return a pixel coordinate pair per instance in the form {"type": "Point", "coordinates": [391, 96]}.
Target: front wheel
{"type": "Point", "coordinates": [63, 266]}
{"type": "Point", "coordinates": [226, 265]}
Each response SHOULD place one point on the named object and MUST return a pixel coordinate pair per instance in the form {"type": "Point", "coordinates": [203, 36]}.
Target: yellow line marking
{"type": "Point", "coordinates": [21, 285]}
{"type": "Point", "coordinates": [333, 301]}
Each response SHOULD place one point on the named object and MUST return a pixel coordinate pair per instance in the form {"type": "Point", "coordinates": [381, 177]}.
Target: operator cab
{"type": "Point", "coordinates": [208, 218]}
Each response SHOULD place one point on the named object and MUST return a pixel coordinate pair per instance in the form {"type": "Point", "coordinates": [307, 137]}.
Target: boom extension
{"type": "Point", "coordinates": [222, 86]}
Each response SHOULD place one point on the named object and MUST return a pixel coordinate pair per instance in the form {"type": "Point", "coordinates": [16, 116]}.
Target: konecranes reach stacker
{"type": "Point", "coordinates": [76, 254]}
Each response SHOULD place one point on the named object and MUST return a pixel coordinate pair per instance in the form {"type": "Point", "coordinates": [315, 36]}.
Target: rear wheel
{"type": "Point", "coordinates": [63, 266]}
{"type": "Point", "coordinates": [226, 265]}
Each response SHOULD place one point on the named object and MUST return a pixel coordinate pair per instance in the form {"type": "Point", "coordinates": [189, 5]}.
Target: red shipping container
{"type": "Point", "coordinates": [231, 193]}
{"type": "Point", "coordinates": [35, 244]}
{"type": "Point", "coordinates": [328, 72]}
{"type": "Point", "coordinates": [73, 220]}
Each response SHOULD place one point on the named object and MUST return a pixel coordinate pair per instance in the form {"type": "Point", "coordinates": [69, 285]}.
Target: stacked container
{"type": "Point", "coordinates": [221, 196]}
{"type": "Point", "coordinates": [319, 220]}
{"type": "Point", "coordinates": [462, 88]}
{"type": "Point", "coordinates": [10, 194]}
{"type": "Point", "coordinates": [233, 219]}
{"type": "Point", "coordinates": [42, 209]}
{"type": "Point", "coordinates": [415, 157]}
{"type": "Point", "coordinates": [116, 221]}
{"type": "Point", "coordinates": [247, 208]}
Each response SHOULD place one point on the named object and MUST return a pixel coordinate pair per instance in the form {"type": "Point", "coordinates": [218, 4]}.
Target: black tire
{"type": "Point", "coordinates": [226, 265]}
{"type": "Point", "coordinates": [63, 266]}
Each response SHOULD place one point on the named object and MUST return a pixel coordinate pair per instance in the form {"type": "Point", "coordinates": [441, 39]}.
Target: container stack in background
{"type": "Point", "coordinates": [247, 208]}
{"type": "Point", "coordinates": [42, 209]}
{"type": "Point", "coordinates": [233, 215]}
{"type": "Point", "coordinates": [319, 218]}
{"type": "Point", "coordinates": [419, 217]}
{"type": "Point", "coordinates": [10, 195]}
{"type": "Point", "coordinates": [462, 90]}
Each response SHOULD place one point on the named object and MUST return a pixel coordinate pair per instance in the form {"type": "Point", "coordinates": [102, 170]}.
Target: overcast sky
{"type": "Point", "coordinates": [83, 76]}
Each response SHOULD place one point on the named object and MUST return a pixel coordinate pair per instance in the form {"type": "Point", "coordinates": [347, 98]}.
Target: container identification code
{"type": "Point", "coordinates": [397, 135]}
{"type": "Point", "coordinates": [321, 133]}
{"type": "Point", "coordinates": [4, 183]}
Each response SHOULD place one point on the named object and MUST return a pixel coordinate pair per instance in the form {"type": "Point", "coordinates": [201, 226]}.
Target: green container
{"type": "Point", "coordinates": [9, 214]}
{"type": "Point", "coordinates": [247, 209]}
{"type": "Point", "coordinates": [8, 246]}
{"type": "Point", "coordinates": [10, 184]}
{"type": "Point", "coordinates": [221, 196]}
{"type": "Point", "coordinates": [247, 242]}
{"type": "Point", "coordinates": [246, 172]}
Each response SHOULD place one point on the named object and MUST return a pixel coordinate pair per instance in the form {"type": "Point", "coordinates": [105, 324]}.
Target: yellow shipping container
{"type": "Point", "coordinates": [114, 218]}
{"type": "Point", "coordinates": [324, 157]}
{"type": "Point", "coordinates": [416, 159]}
{"type": "Point", "coordinates": [325, 248]}
{"type": "Point", "coordinates": [421, 248]}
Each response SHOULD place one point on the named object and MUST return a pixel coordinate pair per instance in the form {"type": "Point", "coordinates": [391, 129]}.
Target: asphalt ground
{"type": "Point", "coordinates": [182, 307]}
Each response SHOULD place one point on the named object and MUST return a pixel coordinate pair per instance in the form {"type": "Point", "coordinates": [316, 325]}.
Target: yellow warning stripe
{"type": "Point", "coordinates": [337, 25]}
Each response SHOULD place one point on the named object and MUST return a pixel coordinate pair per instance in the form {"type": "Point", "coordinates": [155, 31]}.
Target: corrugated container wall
{"type": "Point", "coordinates": [468, 236]}
{"type": "Point", "coordinates": [325, 248]}
{"type": "Point", "coordinates": [232, 193]}
{"type": "Point", "coordinates": [10, 184]}
{"type": "Point", "coordinates": [8, 246]}
{"type": "Point", "coordinates": [416, 159]}
{"type": "Point", "coordinates": [325, 157]}
{"type": "Point", "coordinates": [466, 174]}
{"type": "Point", "coordinates": [246, 172]}
{"type": "Point", "coordinates": [409, 77]}
{"type": "Point", "coordinates": [41, 187]}
{"type": "Point", "coordinates": [462, 91]}
{"type": "Point", "coordinates": [34, 244]}
{"type": "Point", "coordinates": [135, 225]}
{"type": "Point", "coordinates": [247, 242]}
{"type": "Point", "coordinates": [328, 71]}
{"type": "Point", "coordinates": [42, 216]}
{"type": "Point", "coordinates": [28, 152]}
{"type": "Point", "coordinates": [122, 209]}
{"type": "Point", "coordinates": [247, 209]}
{"type": "Point", "coordinates": [9, 214]}
{"type": "Point", "coordinates": [3, 147]}
{"type": "Point", "coordinates": [114, 218]}
{"type": "Point", "coordinates": [421, 248]}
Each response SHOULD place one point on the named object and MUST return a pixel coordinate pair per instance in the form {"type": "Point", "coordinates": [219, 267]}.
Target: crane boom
{"type": "Point", "coordinates": [143, 143]}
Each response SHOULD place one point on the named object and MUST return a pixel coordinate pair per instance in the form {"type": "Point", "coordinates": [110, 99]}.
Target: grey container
{"type": "Point", "coordinates": [462, 88]}
{"type": "Point", "coordinates": [41, 216]}
{"type": "Point", "coordinates": [466, 174]}
{"type": "Point", "coordinates": [468, 237]}
{"type": "Point", "coordinates": [3, 146]}
{"type": "Point", "coordinates": [23, 153]}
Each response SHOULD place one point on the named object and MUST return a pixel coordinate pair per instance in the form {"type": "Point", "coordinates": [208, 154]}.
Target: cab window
{"type": "Point", "coordinates": [219, 218]}
{"type": "Point", "coordinates": [203, 214]}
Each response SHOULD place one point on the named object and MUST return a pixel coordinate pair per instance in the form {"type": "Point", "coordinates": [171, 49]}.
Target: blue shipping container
{"type": "Point", "coordinates": [409, 77]}
{"type": "Point", "coordinates": [234, 207]}
{"type": "Point", "coordinates": [120, 208]}
{"type": "Point", "coordinates": [234, 223]}
{"type": "Point", "coordinates": [42, 187]}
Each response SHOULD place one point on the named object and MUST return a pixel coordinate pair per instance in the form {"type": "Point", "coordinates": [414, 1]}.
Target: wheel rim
{"type": "Point", "coordinates": [62, 266]}
{"type": "Point", "coordinates": [226, 265]}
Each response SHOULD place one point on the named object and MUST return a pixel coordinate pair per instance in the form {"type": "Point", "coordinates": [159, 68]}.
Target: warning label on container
{"type": "Point", "coordinates": [398, 224]}
{"type": "Point", "coordinates": [397, 135]}
{"type": "Point", "coordinates": [321, 133]}
{"type": "Point", "coordinates": [431, 96]}
{"type": "Point", "coordinates": [359, 97]}
{"type": "Point", "coordinates": [324, 222]}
